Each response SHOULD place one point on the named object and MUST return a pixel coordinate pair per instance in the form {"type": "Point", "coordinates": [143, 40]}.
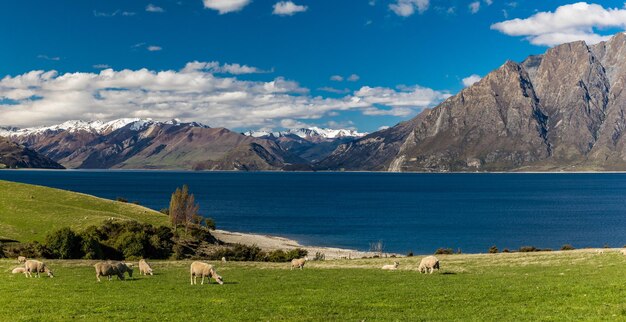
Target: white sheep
{"type": "Point", "coordinates": [298, 263]}
{"type": "Point", "coordinates": [18, 270]}
{"type": "Point", "coordinates": [203, 270]}
{"type": "Point", "coordinates": [33, 266]}
{"type": "Point", "coordinates": [223, 259]}
{"type": "Point", "coordinates": [21, 259]}
{"type": "Point", "coordinates": [392, 267]}
{"type": "Point", "coordinates": [108, 270]}
{"type": "Point", "coordinates": [428, 264]}
{"type": "Point", "coordinates": [144, 267]}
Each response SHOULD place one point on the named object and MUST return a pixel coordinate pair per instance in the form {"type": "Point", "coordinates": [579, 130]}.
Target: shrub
{"type": "Point", "coordinates": [319, 256]}
{"type": "Point", "coordinates": [444, 251]}
{"type": "Point", "coordinates": [64, 244]}
{"type": "Point", "coordinates": [121, 199]}
{"type": "Point", "coordinates": [493, 250]}
{"type": "Point", "coordinates": [528, 249]}
{"type": "Point", "coordinates": [409, 254]}
{"type": "Point", "coordinates": [296, 253]}
{"type": "Point", "coordinates": [276, 256]}
{"type": "Point", "coordinates": [2, 255]}
{"type": "Point", "coordinates": [506, 250]}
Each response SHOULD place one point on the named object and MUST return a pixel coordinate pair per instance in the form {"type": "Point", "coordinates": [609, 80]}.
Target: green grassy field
{"type": "Point", "coordinates": [574, 285]}
{"type": "Point", "coordinates": [28, 213]}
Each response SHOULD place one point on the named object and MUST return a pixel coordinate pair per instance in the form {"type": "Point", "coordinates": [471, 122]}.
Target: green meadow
{"type": "Point", "coordinates": [538, 286]}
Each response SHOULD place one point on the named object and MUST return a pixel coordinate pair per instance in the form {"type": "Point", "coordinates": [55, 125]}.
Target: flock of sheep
{"type": "Point", "coordinates": [110, 269]}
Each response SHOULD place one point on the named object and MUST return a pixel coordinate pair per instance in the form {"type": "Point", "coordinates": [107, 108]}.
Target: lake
{"type": "Point", "coordinates": [408, 212]}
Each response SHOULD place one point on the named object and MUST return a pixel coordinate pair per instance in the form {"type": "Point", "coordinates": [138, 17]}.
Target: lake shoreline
{"type": "Point", "coordinates": [272, 242]}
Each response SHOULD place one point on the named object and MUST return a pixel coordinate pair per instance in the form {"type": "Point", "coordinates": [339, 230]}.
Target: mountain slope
{"type": "Point", "coordinates": [563, 110]}
{"type": "Point", "coordinates": [13, 155]}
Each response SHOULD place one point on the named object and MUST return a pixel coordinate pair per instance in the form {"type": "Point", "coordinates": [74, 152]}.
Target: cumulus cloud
{"type": "Point", "coordinates": [152, 8]}
{"type": "Point", "coordinates": [405, 8]}
{"type": "Point", "coordinates": [288, 8]}
{"type": "Point", "coordinates": [336, 78]}
{"type": "Point", "coordinates": [192, 93]}
{"type": "Point", "coordinates": [474, 7]}
{"type": "Point", "coordinates": [353, 78]}
{"type": "Point", "coordinates": [334, 90]}
{"type": "Point", "coordinates": [226, 6]}
{"type": "Point", "coordinates": [470, 80]}
{"type": "Point", "coordinates": [154, 48]}
{"type": "Point", "coordinates": [578, 21]}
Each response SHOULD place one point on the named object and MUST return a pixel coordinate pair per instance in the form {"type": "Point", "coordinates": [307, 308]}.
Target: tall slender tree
{"type": "Point", "coordinates": [183, 208]}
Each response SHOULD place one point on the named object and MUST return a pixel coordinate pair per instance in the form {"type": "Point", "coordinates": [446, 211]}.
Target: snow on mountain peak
{"type": "Point", "coordinates": [307, 133]}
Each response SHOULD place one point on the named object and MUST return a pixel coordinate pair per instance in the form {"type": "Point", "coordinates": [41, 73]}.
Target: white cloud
{"type": "Point", "coordinates": [474, 7]}
{"type": "Point", "coordinates": [152, 8]}
{"type": "Point", "coordinates": [154, 48]}
{"type": "Point", "coordinates": [353, 78]}
{"type": "Point", "coordinates": [578, 21]}
{"type": "Point", "coordinates": [101, 66]}
{"type": "Point", "coordinates": [46, 57]}
{"type": "Point", "coordinates": [288, 8]}
{"type": "Point", "coordinates": [489, 2]}
{"type": "Point", "coordinates": [334, 90]}
{"type": "Point", "coordinates": [112, 14]}
{"type": "Point", "coordinates": [336, 78]}
{"type": "Point", "coordinates": [217, 68]}
{"type": "Point", "coordinates": [47, 97]}
{"type": "Point", "coordinates": [226, 6]}
{"type": "Point", "coordinates": [407, 8]}
{"type": "Point", "coordinates": [470, 80]}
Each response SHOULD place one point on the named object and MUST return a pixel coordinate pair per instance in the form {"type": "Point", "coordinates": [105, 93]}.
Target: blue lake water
{"type": "Point", "coordinates": [408, 212]}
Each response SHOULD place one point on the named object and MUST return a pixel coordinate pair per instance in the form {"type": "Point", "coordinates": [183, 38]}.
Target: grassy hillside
{"type": "Point", "coordinates": [574, 285]}
{"type": "Point", "coordinates": [28, 213]}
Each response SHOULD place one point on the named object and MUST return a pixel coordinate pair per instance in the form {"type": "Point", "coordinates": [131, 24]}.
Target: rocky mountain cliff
{"type": "Point", "coordinates": [563, 110]}
{"type": "Point", "coordinates": [13, 155]}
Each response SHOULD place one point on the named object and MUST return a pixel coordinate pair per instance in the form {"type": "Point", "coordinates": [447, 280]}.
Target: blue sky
{"type": "Point", "coordinates": [404, 60]}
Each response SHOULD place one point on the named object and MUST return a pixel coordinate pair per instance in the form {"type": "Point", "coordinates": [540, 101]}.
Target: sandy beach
{"type": "Point", "coordinates": [268, 242]}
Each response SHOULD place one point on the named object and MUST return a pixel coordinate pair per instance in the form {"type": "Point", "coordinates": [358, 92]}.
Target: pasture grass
{"type": "Point", "coordinates": [29, 212]}
{"type": "Point", "coordinates": [544, 286]}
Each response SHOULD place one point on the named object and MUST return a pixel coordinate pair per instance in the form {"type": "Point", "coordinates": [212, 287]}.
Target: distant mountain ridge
{"type": "Point", "coordinates": [564, 110]}
{"type": "Point", "coordinates": [15, 156]}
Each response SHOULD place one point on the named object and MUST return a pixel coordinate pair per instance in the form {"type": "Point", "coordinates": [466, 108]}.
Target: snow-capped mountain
{"type": "Point", "coordinates": [307, 133]}
{"type": "Point", "coordinates": [94, 127]}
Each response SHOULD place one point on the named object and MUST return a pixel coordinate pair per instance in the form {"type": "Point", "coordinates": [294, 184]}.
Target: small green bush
{"type": "Point", "coordinates": [493, 250]}
{"type": "Point", "coordinates": [409, 254]}
{"type": "Point", "coordinates": [528, 249]}
{"type": "Point", "coordinates": [64, 244]}
{"type": "Point", "coordinates": [319, 256]}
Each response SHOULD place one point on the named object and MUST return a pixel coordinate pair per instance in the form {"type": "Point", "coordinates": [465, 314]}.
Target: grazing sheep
{"type": "Point", "coordinates": [223, 259]}
{"type": "Point", "coordinates": [21, 259]}
{"type": "Point", "coordinates": [144, 267]}
{"type": "Point", "coordinates": [391, 267]}
{"type": "Point", "coordinates": [18, 270]}
{"type": "Point", "coordinates": [298, 263]}
{"type": "Point", "coordinates": [204, 269]}
{"type": "Point", "coordinates": [109, 269]}
{"type": "Point", "coordinates": [428, 264]}
{"type": "Point", "coordinates": [33, 266]}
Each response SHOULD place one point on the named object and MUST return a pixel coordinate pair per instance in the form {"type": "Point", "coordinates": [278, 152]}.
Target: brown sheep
{"type": "Point", "coordinates": [428, 264]}
{"type": "Point", "coordinates": [298, 263]}
{"type": "Point", "coordinates": [21, 259]}
{"type": "Point", "coordinates": [204, 269]}
{"type": "Point", "coordinates": [144, 267]}
{"type": "Point", "coordinates": [107, 269]}
{"type": "Point", "coordinates": [34, 266]}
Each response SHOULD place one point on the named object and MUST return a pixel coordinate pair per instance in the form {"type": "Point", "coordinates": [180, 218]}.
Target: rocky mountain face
{"type": "Point", "coordinates": [563, 110]}
{"type": "Point", "coordinates": [13, 156]}
{"type": "Point", "coordinates": [146, 144]}
{"type": "Point", "coordinates": [311, 144]}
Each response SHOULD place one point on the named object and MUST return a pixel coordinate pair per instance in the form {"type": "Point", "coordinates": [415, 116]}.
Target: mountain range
{"type": "Point", "coordinates": [564, 110]}
{"type": "Point", "coordinates": [149, 144]}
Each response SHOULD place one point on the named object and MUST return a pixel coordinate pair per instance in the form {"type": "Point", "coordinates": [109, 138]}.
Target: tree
{"type": "Point", "coordinates": [64, 244]}
{"type": "Point", "coordinates": [183, 207]}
